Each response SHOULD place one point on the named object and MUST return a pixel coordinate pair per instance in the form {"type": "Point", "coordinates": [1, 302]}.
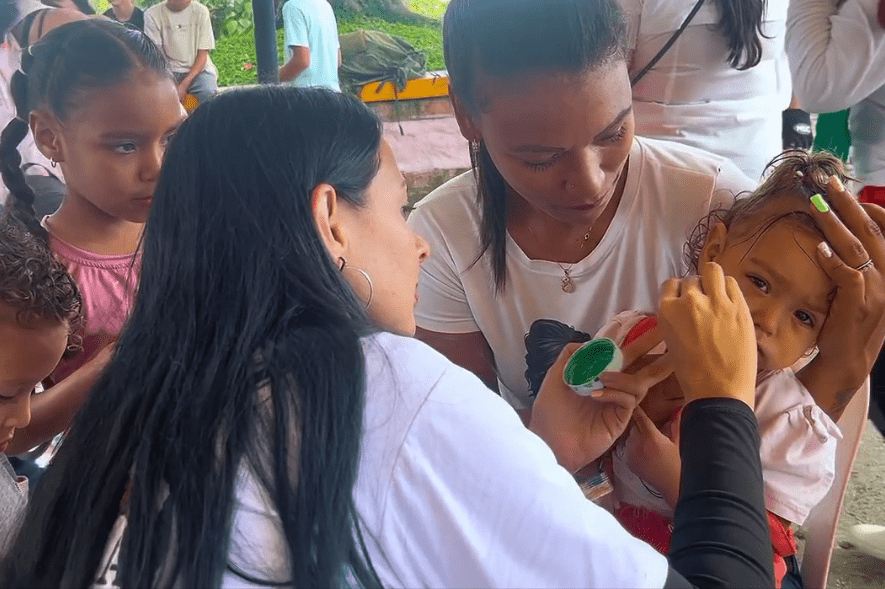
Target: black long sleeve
{"type": "Point", "coordinates": [720, 528]}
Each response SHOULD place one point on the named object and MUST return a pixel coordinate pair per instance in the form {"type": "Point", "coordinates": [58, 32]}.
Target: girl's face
{"type": "Point", "coordinates": [786, 290]}
{"type": "Point", "coordinates": [29, 352]}
{"type": "Point", "coordinates": [559, 141]}
{"type": "Point", "coordinates": [383, 245]}
{"type": "Point", "coordinates": [111, 146]}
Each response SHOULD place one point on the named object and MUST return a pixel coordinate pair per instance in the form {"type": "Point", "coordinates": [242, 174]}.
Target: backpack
{"type": "Point", "coordinates": [373, 56]}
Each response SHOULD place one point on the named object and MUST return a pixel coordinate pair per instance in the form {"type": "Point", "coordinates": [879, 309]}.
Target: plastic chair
{"type": "Point", "coordinates": [820, 527]}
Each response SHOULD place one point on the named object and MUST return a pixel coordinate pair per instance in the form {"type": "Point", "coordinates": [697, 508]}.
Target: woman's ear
{"type": "Point", "coordinates": [47, 135]}
{"type": "Point", "coordinates": [466, 124]}
{"type": "Point", "coordinates": [328, 219]}
{"type": "Point", "coordinates": [717, 238]}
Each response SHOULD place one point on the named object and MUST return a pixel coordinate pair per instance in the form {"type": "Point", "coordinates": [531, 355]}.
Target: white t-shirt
{"type": "Point", "coordinates": [669, 188]}
{"type": "Point", "coordinates": [181, 34]}
{"type": "Point", "coordinates": [453, 491]}
{"type": "Point", "coordinates": [837, 57]}
{"type": "Point", "coordinates": [311, 24]}
{"type": "Point", "coordinates": [694, 96]}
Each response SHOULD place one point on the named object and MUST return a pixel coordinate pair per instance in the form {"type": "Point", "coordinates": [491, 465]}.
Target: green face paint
{"type": "Point", "coordinates": [588, 362]}
{"type": "Point", "coordinates": [819, 203]}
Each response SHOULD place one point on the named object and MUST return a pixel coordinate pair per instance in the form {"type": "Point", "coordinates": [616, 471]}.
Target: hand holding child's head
{"type": "Point", "coordinates": [767, 242]}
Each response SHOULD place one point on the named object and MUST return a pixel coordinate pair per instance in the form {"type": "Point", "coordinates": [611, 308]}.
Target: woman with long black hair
{"type": "Point", "coordinates": [722, 84]}
{"type": "Point", "coordinates": [261, 423]}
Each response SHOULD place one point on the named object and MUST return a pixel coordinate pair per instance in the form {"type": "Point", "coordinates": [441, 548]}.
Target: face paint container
{"type": "Point", "coordinates": [589, 361]}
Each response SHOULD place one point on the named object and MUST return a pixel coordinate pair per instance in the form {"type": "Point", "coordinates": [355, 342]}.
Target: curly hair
{"type": "Point", "coordinates": [33, 283]}
{"type": "Point", "coordinates": [794, 173]}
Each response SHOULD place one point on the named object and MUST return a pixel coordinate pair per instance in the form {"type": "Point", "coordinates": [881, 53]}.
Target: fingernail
{"type": "Point", "coordinates": [825, 250]}
{"type": "Point", "coordinates": [819, 203]}
{"type": "Point", "coordinates": [836, 183]}
{"type": "Point", "coordinates": [596, 394]}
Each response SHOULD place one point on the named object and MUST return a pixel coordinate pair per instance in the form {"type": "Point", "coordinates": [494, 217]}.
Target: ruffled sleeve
{"type": "Point", "coordinates": [798, 446]}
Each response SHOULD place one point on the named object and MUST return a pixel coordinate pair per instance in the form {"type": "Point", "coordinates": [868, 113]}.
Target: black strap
{"type": "Point", "coordinates": [654, 60]}
{"type": "Point", "coordinates": [27, 23]}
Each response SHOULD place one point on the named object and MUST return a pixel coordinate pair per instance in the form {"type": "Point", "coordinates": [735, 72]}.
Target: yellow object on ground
{"type": "Point", "coordinates": [430, 86]}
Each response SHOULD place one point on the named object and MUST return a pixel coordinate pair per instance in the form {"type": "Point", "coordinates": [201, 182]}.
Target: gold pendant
{"type": "Point", "coordinates": [567, 285]}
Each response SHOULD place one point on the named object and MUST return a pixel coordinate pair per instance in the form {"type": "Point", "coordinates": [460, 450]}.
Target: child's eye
{"type": "Point", "coordinates": [167, 139]}
{"type": "Point", "coordinates": [805, 318]}
{"type": "Point", "coordinates": [758, 282]}
{"type": "Point", "coordinates": [407, 210]}
{"type": "Point", "coordinates": [127, 147]}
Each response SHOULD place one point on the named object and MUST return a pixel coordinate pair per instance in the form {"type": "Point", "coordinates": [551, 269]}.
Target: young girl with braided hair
{"type": "Point", "coordinates": [101, 103]}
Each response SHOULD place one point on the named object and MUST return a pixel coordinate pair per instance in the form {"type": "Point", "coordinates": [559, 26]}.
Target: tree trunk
{"type": "Point", "coordinates": [393, 10]}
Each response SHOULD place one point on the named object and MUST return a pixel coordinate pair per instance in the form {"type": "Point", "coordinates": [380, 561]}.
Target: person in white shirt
{"type": "Point", "coordinates": [837, 56]}
{"type": "Point", "coordinates": [313, 53]}
{"type": "Point", "coordinates": [566, 215]}
{"type": "Point", "coordinates": [722, 85]}
{"type": "Point", "coordinates": [183, 30]}
{"type": "Point", "coordinates": [266, 419]}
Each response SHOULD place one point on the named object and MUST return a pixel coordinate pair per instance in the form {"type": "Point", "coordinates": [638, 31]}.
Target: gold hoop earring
{"type": "Point", "coordinates": [364, 274]}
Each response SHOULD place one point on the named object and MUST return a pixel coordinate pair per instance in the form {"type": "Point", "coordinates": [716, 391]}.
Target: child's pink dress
{"type": "Point", "coordinates": [107, 284]}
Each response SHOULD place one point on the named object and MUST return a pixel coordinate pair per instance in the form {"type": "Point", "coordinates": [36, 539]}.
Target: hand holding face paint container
{"type": "Point", "coordinates": [588, 362]}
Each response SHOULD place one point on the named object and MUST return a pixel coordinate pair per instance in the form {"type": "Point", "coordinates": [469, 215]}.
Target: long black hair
{"type": "Point", "coordinates": [740, 22]}
{"type": "Point", "coordinates": [243, 350]}
{"type": "Point", "coordinates": [54, 71]}
{"type": "Point", "coordinates": [505, 39]}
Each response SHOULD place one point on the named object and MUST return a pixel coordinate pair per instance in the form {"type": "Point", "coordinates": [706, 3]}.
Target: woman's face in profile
{"type": "Point", "coordinates": [560, 141]}
{"type": "Point", "coordinates": [383, 245]}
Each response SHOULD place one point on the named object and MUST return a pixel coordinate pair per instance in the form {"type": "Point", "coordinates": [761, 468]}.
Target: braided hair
{"type": "Point", "coordinates": [54, 72]}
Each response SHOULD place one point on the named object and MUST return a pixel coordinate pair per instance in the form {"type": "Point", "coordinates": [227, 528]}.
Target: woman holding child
{"type": "Point", "coordinates": [570, 217]}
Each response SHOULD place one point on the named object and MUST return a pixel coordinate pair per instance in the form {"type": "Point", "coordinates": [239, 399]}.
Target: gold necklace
{"type": "Point", "coordinates": [568, 285]}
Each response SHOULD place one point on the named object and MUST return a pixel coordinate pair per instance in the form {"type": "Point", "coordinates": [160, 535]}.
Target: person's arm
{"type": "Point", "coordinates": [720, 527]}
{"type": "Point", "coordinates": [467, 350]}
{"type": "Point", "coordinates": [296, 37]}
{"type": "Point", "coordinates": [152, 29]}
{"type": "Point", "coordinates": [53, 410]}
{"type": "Point", "coordinates": [663, 471]}
{"type": "Point", "coordinates": [299, 62]}
{"type": "Point", "coordinates": [198, 66]}
{"type": "Point", "coordinates": [837, 55]}
{"type": "Point", "coordinates": [852, 335]}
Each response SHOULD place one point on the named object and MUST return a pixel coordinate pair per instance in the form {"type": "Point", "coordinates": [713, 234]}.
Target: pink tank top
{"type": "Point", "coordinates": [107, 284]}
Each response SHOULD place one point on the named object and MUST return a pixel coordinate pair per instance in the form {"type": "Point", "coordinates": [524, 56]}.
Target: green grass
{"type": "Point", "coordinates": [433, 8]}
{"type": "Point", "coordinates": [233, 52]}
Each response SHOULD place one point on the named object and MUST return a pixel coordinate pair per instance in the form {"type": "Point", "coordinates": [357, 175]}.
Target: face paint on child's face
{"type": "Point", "coordinates": [114, 143]}
{"type": "Point", "coordinates": [29, 352]}
{"type": "Point", "coordinates": [787, 292]}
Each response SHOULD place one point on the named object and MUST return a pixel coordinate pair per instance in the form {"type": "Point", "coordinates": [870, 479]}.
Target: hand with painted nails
{"type": "Point", "coordinates": [710, 336]}
{"type": "Point", "coordinates": [853, 256]}
{"type": "Point", "coordinates": [579, 429]}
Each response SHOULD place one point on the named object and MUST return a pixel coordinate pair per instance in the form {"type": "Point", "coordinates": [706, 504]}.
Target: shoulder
{"type": "Point", "coordinates": [199, 9]}
{"type": "Point", "coordinates": [451, 206]}
{"type": "Point", "coordinates": [292, 6]}
{"type": "Point", "coordinates": [154, 11]}
{"type": "Point", "coordinates": [697, 173]}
